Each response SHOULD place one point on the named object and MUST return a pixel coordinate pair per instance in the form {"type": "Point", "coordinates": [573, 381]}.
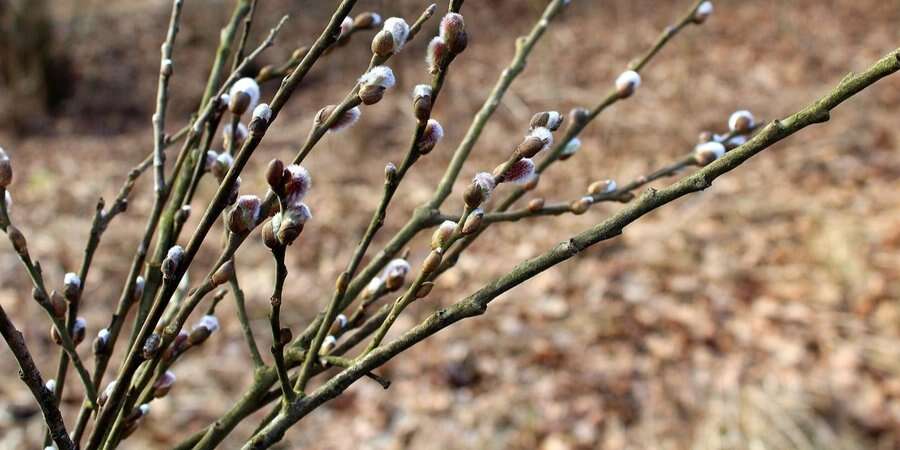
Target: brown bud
{"type": "Point", "coordinates": [58, 304]}
{"type": "Point", "coordinates": [550, 120]}
{"type": "Point", "coordinates": [242, 218]}
{"type": "Point", "coordinates": [424, 289]}
{"type": "Point", "coordinates": [442, 234]}
{"type": "Point", "coordinates": [535, 204]}
{"type": "Point", "coordinates": [18, 240]}
{"type": "Point", "coordinates": [532, 182]}
{"type": "Point", "coordinates": [383, 43]}
{"type": "Point", "coordinates": [79, 330]}
{"type": "Point", "coordinates": [581, 205]}
{"type": "Point", "coordinates": [371, 94]}
{"type": "Point", "coordinates": [151, 346]}
{"type": "Point", "coordinates": [367, 21]}
{"type": "Point", "coordinates": [390, 173]}
{"type": "Point", "coordinates": [199, 335]}
{"type": "Point", "coordinates": [225, 272]}
{"type": "Point", "coordinates": [101, 343]}
{"type": "Point", "coordinates": [268, 235]}
{"type": "Point", "coordinates": [54, 335]}
{"type": "Point", "coordinates": [602, 187]}
{"type": "Point", "coordinates": [6, 172]}
{"type": "Point", "coordinates": [163, 384]}
{"type": "Point", "coordinates": [529, 147]}
{"type": "Point", "coordinates": [704, 137]}
{"type": "Point", "coordinates": [266, 73]}
{"type": "Point", "coordinates": [579, 116]}
{"type": "Point", "coordinates": [432, 261]}
{"type": "Point", "coordinates": [275, 176]}
{"type": "Point", "coordinates": [170, 265]}
{"type": "Point", "coordinates": [422, 101]}
{"type": "Point", "coordinates": [340, 322]}
{"type": "Point", "coordinates": [327, 345]}
{"type": "Point", "coordinates": [285, 336]}
{"type": "Point", "coordinates": [239, 102]}
{"type": "Point", "coordinates": [183, 214]}
{"type": "Point", "coordinates": [473, 196]}
{"type": "Point", "coordinates": [453, 31]}
{"type": "Point", "coordinates": [178, 346]}
{"type": "Point", "coordinates": [473, 222]}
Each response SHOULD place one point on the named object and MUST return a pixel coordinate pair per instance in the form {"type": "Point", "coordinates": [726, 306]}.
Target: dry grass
{"type": "Point", "coordinates": [762, 314]}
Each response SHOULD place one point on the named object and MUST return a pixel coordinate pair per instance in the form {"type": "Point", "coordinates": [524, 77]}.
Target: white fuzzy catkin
{"type": "Point", "coordinates": [628, 78]}
{"type": "Point", "coordinates": [738, 116]}
{"type": "Point", "coordinates": [610, 186]}
{"type": "Point", "coordinates": [299, 184]}
{"type": "Point", "coordinates": [545, 135]}
{"type": "Point", "coordinates": [713, 148]}
{"type": "Point", "coordinates": [72, 279]}
{"type": "Point", "coordinates": [521, 172]}
{"type": "Point", "coordinates": [399, 30]}
{"type": "Point", "coordinates": [704, 10]}
{"type": "Point", "coordinates": [209, 322]}
{"type": "Point", "coordinates": [421, 90]}
{"type": "Point", "coordinates": [571, 147]}
{"type": "Point", "coordinates": [397, 267]}
{"type": "Point", "coordinates": [436, 50]}
{"type": "Point", "coordinates": [381, 76]}
{"type": "Point", "coordinates": [485, 182]}
{"type": "Point", "coordinates": [346, 26]}
{"type": "Point", "coordinates": [248, 86]}
{"type": "Point", "coordinates": [262, 112]}
{"type": "Point", "coordinates": [347, 120]}
{"type": "Point", "coordinates": [554, 119]}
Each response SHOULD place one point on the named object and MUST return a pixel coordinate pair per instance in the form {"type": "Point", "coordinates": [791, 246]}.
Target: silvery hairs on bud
{"type": "Point", "coordinates": [741, 121]}
{"type": "Point", "coordinates": [704, 10]}
{"type": "Point", "coordinates": [519, 172]}
{"type": "Point", "coordinates": [262, 112]}
{"type": "Point", "coordinates": [245, 86]}
{"type": "Point", "coordinates": [346, 120]}
{"type": "Point", "coordinates": [172, 262]}
{"type": "Point", "coordinates": [442, 234]}
{"type": "Point", "coordinates": [436, 54]}
{"type": "Point", "coordinates": [297, 184]}
{"type": "Point", "coordinates": [708, 152]}
{"type": "Point", "coordinates": [399, 30]}
{"type": "Point", "coordinates": [627, 82]}
{"type": "Point", "coordinates": [432, 134]}
{"type": "Point", "coordinates": [570, 149]}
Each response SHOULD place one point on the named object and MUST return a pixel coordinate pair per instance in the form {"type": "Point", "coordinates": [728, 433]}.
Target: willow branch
{"type": "Point", "coordinates": [215, 208]}
{"type": "Point", "coordinates": [30, 375]}
{"type": "Point", "coordinates": [477, 303]}
{"type": "Point", "coordinates": [424, 216]}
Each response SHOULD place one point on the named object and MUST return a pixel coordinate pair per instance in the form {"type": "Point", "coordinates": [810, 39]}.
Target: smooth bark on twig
{"type": "Point", "coordinates": [30, 375]}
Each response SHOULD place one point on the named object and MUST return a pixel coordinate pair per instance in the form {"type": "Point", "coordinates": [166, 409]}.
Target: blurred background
{"type": "Point", "coordinates": [760, 314]}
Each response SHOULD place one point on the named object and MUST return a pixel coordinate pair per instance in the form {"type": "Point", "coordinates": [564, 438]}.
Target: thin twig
{"type": "Point", "coordinates": [245, 322]}
{"type": "Point", "coordinates": [30, 375]}
{"type": "Point", "coordinates": [275, 321]}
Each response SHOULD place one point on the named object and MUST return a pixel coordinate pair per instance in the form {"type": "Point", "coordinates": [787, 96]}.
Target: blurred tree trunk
{"type": "Point", "coordinates": [35, 77]}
